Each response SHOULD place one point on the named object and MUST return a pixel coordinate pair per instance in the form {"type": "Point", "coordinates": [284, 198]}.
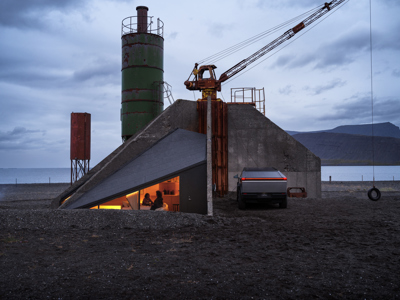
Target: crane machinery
{"type": "Point", "coordinates": [209, 85]}
{"type": "Point", "coordinates": [205, 80]}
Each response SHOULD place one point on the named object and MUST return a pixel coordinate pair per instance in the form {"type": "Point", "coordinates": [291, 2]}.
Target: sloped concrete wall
{"type": "Point", "coordinates": [255, 141]}
{"type": "Point", "coordinates": [182, 114]}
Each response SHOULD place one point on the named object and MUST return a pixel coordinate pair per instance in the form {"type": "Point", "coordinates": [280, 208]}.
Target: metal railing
{"type": "Point", "coordinates": [249, 95]}
{"type": "Point", "coordinates": [130, 25]}
{"type": "Point", "coordinates": [164, 89]}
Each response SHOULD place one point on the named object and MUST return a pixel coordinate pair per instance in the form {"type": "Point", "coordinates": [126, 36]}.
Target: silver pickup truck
{"type": "Point", "coordinates": [261, 185]}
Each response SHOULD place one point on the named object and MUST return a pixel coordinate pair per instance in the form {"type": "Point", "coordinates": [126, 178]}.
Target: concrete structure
{"type": "Point", "coordinates": [253, 141]}
{"type": "Point", "coordinates": [180, 154]}
{"type": "Point", "coordinates": [142, 72]}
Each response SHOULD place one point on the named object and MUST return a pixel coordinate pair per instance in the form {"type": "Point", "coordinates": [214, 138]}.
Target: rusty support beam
{"type": "Point", "coordinates": [219, 141]}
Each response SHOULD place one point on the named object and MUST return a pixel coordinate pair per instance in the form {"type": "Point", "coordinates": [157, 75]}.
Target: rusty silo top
{"type": "Point", "coordinates": [142, 19]}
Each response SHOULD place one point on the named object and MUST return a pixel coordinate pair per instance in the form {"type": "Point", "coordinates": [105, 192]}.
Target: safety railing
{"type": "Point", "coordinates": [130, 25]}
{"type": "Point", "coordinates": [249, 95]}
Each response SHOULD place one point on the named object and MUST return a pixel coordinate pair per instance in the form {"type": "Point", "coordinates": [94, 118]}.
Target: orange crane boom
{"type": "Point", "coordinates": [210, 85]}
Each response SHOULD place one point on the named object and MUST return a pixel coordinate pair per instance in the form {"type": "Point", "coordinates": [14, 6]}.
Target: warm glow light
{"type": "Point", "coordinates": [134, 193]}
{"type": "Point", "coordinates": [62, 202]}
{"type": "Point", "coordinates": [110, 206]}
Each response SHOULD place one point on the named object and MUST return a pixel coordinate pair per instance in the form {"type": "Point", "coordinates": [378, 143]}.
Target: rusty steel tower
{"type": "Point", "coordinates": [80, 145]}
{"type": "Point", "coordinates": [142, 71]}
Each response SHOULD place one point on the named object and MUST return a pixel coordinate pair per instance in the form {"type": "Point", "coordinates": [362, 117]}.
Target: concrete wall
{"type": "Point", "coordinates": [182, 114]}
{"type": "Point", "coordinates": [255, 141]}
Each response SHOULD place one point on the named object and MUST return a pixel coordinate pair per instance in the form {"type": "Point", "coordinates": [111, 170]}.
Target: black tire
{"type": "Point", "coordinates": [283, 204]}
{"type": "Point", "coordinates": [374, 194]}
{"type": "Point", "coordinates": [241, 203]}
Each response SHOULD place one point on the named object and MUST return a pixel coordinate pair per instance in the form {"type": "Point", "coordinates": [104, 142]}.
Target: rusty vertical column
{"type": "Point", "coordinates": [219, 141]}
{"type": "Point", "coordinates": [209, 159]}
{"type": "Point", "coordinates": [142, 19]}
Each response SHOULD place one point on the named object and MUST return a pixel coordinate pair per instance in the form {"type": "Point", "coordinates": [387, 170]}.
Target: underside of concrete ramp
{"type": "Point", "coordinates": [253, 141]}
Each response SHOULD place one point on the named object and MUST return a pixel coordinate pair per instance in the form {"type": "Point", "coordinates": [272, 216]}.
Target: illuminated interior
{"type": "Point", "coordinates": [134, 201]}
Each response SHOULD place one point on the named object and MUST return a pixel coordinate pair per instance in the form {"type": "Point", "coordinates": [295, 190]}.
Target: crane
{"type": "Point", "coordinates": [207, 82]}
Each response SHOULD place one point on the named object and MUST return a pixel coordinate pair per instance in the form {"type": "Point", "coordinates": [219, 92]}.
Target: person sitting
{"type": "Point", "coordinates": [158, 202]}
{"type": "Point", "coordinates": [146, 200]}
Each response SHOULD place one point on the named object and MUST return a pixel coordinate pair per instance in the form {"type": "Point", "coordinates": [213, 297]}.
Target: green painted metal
{"type": "Point", "coordinates": [142, 78]}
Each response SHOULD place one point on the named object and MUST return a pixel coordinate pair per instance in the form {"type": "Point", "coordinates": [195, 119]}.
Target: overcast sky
{"type": "Point", "coordinates": [58, 57]}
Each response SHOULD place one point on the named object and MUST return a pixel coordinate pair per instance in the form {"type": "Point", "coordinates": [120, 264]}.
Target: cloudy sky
{"type": "Point", "coordinates": [58, 57]}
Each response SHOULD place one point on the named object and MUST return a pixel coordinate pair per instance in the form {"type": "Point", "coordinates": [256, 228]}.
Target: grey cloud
{"type": "Point", "coordinates": [359, 109]}
{"type": "Point", "coordinates": [396, 73]}
{"type": "Point", "coordinates": [103, 72]}
{"type": "Point", "coordinates": [282, 61]}
{"type": "Point", "coordinates": [323, 88]}
{"type": "Point", "coordinates": [32, 74]}
{"type": "Point", "coordinates": [286, 3]}
{"type": "Point", "coordinates": [22, 138]}
{"type": "Point", "coordinates": [173, 35]}
{"type": "Point", "coordinates": [333, 54]}
{"type": "Point", "coordinates": [17, 133]}
{"type": "Point", "coordinates": [217, 29]}
{"type": "Point", "coordinates": [287, 90]}
{"type": "Point", "coordinates": [390, 3]}
{"type": "Point", "coordinates": [32, 14]}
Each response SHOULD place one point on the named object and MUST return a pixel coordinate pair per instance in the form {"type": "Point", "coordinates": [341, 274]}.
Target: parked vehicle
{"type": "Point", "coordinates": [261, 185]}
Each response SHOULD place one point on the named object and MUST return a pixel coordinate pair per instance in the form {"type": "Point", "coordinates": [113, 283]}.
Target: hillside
{"type": "Point", "coordinates": [351, 149]}
{"type": "Point", "coordinates": [381, 129]}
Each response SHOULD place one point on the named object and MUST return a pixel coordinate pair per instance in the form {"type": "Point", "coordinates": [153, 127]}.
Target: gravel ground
{"type": "Point", "coordinates": [340, 246]}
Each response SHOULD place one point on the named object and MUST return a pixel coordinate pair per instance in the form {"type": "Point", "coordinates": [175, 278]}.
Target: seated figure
{"type": "Point", "coordinates": [146, 200]}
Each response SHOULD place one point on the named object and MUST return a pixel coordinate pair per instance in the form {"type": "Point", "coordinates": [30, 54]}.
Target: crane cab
{"type": "Point", "coordinates": [204, 78]}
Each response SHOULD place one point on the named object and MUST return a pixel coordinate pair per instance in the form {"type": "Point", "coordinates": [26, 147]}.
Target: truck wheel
{"type": "Point", "coordinates": [283, 204]}
{"type": "Point", "coordinates": [241, 203]}
{"type": "Point", "coordinates": [374, 194]}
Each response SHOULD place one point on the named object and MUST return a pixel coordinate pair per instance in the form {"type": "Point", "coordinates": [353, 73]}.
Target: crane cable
{"type": "Point", "coordinates": [373, 193]}
{"type": "Point", "coordinates": [283, 47]}
{"type": "Point", "coordinates": [235, 48]}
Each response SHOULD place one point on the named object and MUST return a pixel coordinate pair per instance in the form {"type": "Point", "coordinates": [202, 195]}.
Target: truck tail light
{"type": "Point", "coordinates": [244, 179]}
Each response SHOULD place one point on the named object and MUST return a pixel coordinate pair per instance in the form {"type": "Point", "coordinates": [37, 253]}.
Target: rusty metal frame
{"type": "Point", "coordinates": [302, 194]}
{"type": "Point", "coordinates": [79, 167]}
{"type": "Point", "coordinates": [219, 115]}
{"type": "Point", "coordinates": [130, 24]}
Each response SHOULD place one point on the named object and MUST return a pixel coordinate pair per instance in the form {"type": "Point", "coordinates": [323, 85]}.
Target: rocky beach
{"type": "Point", "coordinates": [339, 246]}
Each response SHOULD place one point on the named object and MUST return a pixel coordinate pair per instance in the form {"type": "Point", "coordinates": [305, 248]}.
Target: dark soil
{"type": "Point", "coordinates": [340, 246]}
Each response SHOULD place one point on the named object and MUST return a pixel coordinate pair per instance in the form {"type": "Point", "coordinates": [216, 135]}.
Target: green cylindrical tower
{"type": "Point", "coordinates": [142, 71]}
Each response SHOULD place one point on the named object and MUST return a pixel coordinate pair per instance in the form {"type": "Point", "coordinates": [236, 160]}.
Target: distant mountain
{"type": "Point", "coordinates": [381, 129]}
{"type": "Point", "coordinates": [352, 149]}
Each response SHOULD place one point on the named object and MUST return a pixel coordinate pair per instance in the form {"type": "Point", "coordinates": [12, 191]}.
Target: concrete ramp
{"type": "Point", "coordinates": [178, 151]}
{"type": "Point", "coordinates": [181, 114]}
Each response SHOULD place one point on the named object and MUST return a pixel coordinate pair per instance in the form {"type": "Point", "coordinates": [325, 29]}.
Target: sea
{"type": "Point", "coordinates": [333, 173]}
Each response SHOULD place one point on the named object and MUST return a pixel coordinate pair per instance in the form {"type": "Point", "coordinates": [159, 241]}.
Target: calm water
{"type": "Point", "coordinates": [360, 173]}
{"type": "Point", "coordinates": [20, 175]}
{"type": "Point", "coordinates": [342, 173]}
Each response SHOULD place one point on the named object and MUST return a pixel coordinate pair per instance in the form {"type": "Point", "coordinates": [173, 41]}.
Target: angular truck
{"type": "Point", "coordinates": [261, 185]}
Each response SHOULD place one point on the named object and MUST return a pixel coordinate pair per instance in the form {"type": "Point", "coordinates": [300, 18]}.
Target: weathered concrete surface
{"type": "Point", "coordinates": [255, 141]}
{"type": "Point", "coordinates": [182, 114]}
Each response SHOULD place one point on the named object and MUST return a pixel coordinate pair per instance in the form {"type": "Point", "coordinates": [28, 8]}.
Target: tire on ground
{"type": "Point", "coordinates": [241, 203]}
{"type": "Point", "coordinates": [283, 203]}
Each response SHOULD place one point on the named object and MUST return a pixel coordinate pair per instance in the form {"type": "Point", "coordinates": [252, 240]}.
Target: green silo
{"type": "Point", "coordinates": [142, 71]}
